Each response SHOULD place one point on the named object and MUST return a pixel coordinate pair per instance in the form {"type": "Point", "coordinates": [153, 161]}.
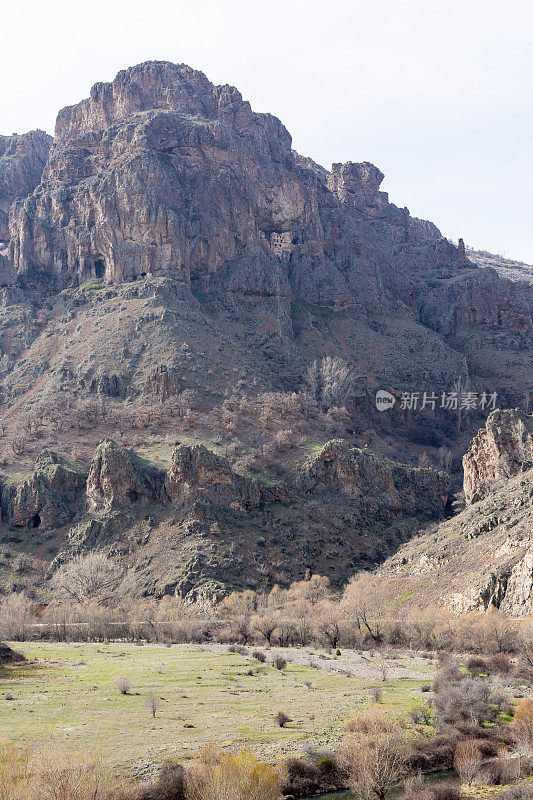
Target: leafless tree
{"type": "Point", "coordinates": [331, 381]}
{"type": "Point", "coordinates": [376, 756]}
{"type": "Point", "coordinates": [90, 577]}
{"type": "Point", "coordinates": [467, 760]}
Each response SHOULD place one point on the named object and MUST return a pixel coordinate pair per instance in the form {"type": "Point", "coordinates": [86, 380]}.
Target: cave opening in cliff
{"type": "Point", "coordinates": [133, 496]}
{"type": "Point", "coordinates": [99, 268]}
{"type": "Point", "coordinates": [34, 521]}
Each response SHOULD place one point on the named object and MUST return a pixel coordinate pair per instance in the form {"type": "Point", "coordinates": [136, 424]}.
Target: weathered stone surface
{"type": "Point", "coordinates": [399, 489]}
{"type": "Point", "coordinates": [22, 160]}
{"type": "Point", "coordinates": [479, 560]}
{"type": "Point", "coordinates": [196, 472]}
{"type": "Point", "coordinates": [48, 498]}
{"type": "Point", "coordinates": [500, 450]}
{"type": "Point", "coordinates": [116, 479]}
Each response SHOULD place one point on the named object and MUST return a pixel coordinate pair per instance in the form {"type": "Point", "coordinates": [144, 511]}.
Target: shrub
{"type": "Point", "coordinates": [477, 666]}
{"type": "Point", "coordinates": [260, 656]}
{"type": "Point", "coordinates": [426, 687]}
{"type": "Point", "coordinates": [123, 685]}
{"type": "Point", "coordinates": [237, 776]}
{"type": "Point", "coordinates": [282, 719]}
{"type": "Point", "coordinates": [280, 662]}
{"type": "Point", "coordinates": [421, 715]}
{"type": "Point", "coordinates": [377, 694]}
{"type": "Point", "coordinates": [445, 791]}
{"type": "Point", "coordinates": [237, 648]}
{"type": "Point", "coordinates": [501, 663]}
{"type": "Point", "coordinates": [523, 791]}
{"type": "Point", "coordinates": [433, 753]}
{"type": "Point", "coordinates": [153, 704]}
{"type": "Point", "coordinates": [467, 760]}
{"type": "Point", "coordinates": [463, 698]}
{"type": "Point", "coordinates": [170, 784]}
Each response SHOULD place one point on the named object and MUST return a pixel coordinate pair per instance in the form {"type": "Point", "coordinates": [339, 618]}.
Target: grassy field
{"type": "Point", "coordinates": [68, 694]}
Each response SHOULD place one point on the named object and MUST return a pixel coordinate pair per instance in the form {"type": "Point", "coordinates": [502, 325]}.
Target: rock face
{"type": "Point", "coordinates": [239, 247]}
{"type": "Point", "coordinates": [116, 479]}
{"type": "Point", "coordinates": [144, 175]}
{"type": "Point", "coordinates": [500, 450]}
{"type": "Point", "coordinates": [477, 561]}
{"type": "Point", "coordinates": [203, 528]}
{"type": "Point", "coordinates": [482, 558]}
{"type": "Point", "coordinates": [394, 488]}
{"type": "Point", "coordinates": [22, 160]}
{"type": "Point", "coordinates": [196, 472]}
{"type": "Point", "coordinates": [47, 499]}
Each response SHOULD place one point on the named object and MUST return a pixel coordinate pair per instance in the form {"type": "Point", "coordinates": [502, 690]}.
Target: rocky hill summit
{"type": "Point", "coordinates": [172, 270]}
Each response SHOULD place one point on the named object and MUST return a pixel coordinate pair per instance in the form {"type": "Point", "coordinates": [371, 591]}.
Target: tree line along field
{"type": "Point", "coordinates": [178, 698]}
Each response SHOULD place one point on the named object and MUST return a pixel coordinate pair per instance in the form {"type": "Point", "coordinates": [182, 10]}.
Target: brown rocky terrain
{"type": "Point", "coordinates": [483, 557]}
{"type": "Point", "coordinates": [174, 270]}
{"type": "Point", "coordinates": [502, 449]}
{"type": "Point", "coordinates": [202, 528]}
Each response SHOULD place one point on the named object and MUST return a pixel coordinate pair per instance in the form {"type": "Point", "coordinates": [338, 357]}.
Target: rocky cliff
{"type": "Point", "coordinates": [174, 270]}
{"type": "Point", "coordinates": [482, 558]}
{"type": "Point", "coordinates": [500, 450]}
{"type": "Point", "coordinates": [162, 176]}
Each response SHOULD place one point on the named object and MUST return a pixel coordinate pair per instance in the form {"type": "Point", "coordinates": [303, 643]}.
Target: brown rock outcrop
{"type": "Point", "coordinates": [48, 498]}
{"type": "Point", "coordinates": [196, 472]}
{"type": "Point", "coordinates": [500, 450]}
{"type": "Point", "coordinates": [398, 489]}
{"type": "Point", "coordinates": [22, 160]}
{"type": "Point", "coordinates": [116, 479]}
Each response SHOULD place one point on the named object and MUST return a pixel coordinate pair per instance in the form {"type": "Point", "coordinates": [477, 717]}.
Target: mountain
{"type": "Point", "coordinates": [175, 272]}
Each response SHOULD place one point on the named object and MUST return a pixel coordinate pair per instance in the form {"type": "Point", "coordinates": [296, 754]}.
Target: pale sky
{"type": "Point", "coordinates": [437, 93]}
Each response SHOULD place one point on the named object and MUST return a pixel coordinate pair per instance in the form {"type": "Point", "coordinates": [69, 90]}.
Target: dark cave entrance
{"type": "Point", "coordinates": [34, 521]}
{"type": "Point", "coordinates": [99, 268]}
{"type": "Point", "coordinates": [132, 496]}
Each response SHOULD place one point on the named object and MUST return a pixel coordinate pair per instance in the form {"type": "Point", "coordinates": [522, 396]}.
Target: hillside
{"type": "Point", "coordinates": [481, 558]}
{"type": "Point", "coordinates": [173, 271]}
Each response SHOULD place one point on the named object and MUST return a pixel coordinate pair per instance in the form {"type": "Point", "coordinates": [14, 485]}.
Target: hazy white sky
{"type": "Point", "coordinates": [437, 93]}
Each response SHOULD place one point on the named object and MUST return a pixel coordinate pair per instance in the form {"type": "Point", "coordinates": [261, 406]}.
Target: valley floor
{"type": "Point", "coordinates": [68, 694]}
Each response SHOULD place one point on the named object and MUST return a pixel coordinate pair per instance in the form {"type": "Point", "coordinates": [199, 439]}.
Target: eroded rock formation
{"type": "Point", "coordinates": [48, 498]}
{"type": "Point", "coordinates": [500, 450]}
{"type": "Point", "coordinates": [116, 479]}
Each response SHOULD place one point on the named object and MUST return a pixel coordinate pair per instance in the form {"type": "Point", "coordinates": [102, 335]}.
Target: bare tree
{"type": "Point", "coordinates": [467, 760]}
{"type": "Point", "coordinates": [376, 756]}
{"type": "Point", "coordinates": [90, 577]}
{"type": "Point", "coordinates": [331, 381]}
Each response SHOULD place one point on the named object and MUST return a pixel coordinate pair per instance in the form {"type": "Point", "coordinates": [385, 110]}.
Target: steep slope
{"type": "Point", "coordinates": [244, 248]}
{"type": "Point", "coordinates": [179, 272]}
{"type": "Point", "coordinates": [483, 557]}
